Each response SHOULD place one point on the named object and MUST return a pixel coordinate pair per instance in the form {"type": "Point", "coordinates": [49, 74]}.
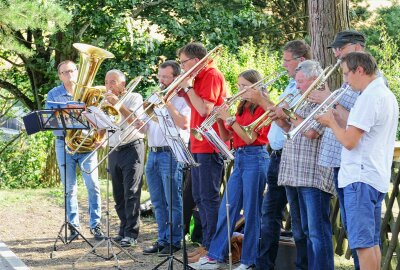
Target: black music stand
{"type": "Point", "coordinates": [64, 117]}
{"type": "Point", "coordinates": [101, 121]}
{"type": "Point", "coordinates": [182, 155]}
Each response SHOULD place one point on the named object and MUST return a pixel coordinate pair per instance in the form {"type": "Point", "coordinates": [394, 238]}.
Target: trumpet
{"type": "Point", "coordinates": [317, 83]}
{"type": "Point", "coordinates": [212, 118]}
{"type": "Point", "coordinates": [157, 99]}
{"type": "Point", "coordinates": [264, 120]}
{"type": "Point", "coordinates": [309, 122]}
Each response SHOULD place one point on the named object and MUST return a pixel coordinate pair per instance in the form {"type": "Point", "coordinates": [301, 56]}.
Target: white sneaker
{"type": "Point", "coordinates": [245, 267]}
{"type": "Point", "coordinates": [205, 263]}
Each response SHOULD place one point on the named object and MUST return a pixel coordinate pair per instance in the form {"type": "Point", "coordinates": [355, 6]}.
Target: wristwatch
{"type": "Point", "coordinates": [187, 89]}
{"type": "Point", "coordinates": [230, 120]}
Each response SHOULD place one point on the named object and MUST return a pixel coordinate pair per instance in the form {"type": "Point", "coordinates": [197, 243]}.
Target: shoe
{"type": "Point", "coordinates": [155, 248]}
{"type": "Point", "coordinates": [118, 238]}
{"type": "Point", "coordinates": [197, 257]}
{"type": "Point", "coordinates": [205, 263]}
{"type": "Point", "coordinates": [128, 242]}
{"type": "Point", "coordinates": [195, 252]}
{"type": "Point", "coordinates": [245, 267]}
{"type": "Point", "coordinates": [73, 234]}
{"type": "Point", "coordinates": [167, 251]}
{"type": "Point", "coordinates": [97, 233]}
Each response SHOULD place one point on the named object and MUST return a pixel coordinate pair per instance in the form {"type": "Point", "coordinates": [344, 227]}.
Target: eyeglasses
{"type": "Point", "coordinates": [164, 77]}
{"type": "Point", "coordinates": [336, 50]}
{"type": "Point", "coordinates": [183, 62]}
{"type": "Point", "coordinates": [288, 60]}
{"type": "Point", "coordinates": [241, 86]}
{"type": "Point", "coordinates": [70, 71]}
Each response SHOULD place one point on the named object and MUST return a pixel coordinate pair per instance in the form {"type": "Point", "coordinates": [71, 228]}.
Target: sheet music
{"type": "Point", "coordinates": [98, 118]}
{"type": "Point", "coordinates": [172, 136]}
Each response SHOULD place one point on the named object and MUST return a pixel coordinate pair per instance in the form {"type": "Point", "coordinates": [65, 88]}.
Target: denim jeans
{"type": "Point", "coordinates": [91, 183]}
{"type": "Point", "coordinates": [314, 210]}
{"type": "Point", "coordinates": [299, 236]}
{"type": "Point", "coordinates": [245, 189]}
{"type": "Point", "coordinates": [158, 174]}
{"type": "Point", "coordinates": [272, 210]}
{"type": "Point", "coordinates": [340, 198]}
{"type": "Point", "coordinates": [206, 180]}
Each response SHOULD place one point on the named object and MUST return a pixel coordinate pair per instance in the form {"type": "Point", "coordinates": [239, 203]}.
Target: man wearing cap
{"type": "Point", "coordinates": [330, 151]}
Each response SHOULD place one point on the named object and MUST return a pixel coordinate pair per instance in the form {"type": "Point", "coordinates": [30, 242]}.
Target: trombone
{"type": "Point", "coordinates": [112, 111]}
{"type": "Point", "coordinates": [147, 113]}
{"type": "Point", "coordinates": [264, 120]}
{"type": "Point", "coordinates": [317, 83]}
{"type": "Point", "coordinates": [309, 122]}
{"type": "Point", "coordinates": [212, 118]}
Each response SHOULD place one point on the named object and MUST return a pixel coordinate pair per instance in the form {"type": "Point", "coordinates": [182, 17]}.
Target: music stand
{"type": "Point", "coordinates": [101, 121]}
{"type": "Point", "coordinates": [65, 116]}
{"type": "Point", "coordinates": [182, 155]}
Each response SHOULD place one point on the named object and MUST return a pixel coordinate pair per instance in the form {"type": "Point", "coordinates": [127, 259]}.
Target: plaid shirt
{"type": "Point", "coordinates": [299, 162]}
{"type": "Point", "coordinates": [331, 149]}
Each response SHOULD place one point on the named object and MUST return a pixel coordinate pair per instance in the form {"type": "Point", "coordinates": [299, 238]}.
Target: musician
{"type": "Point", "coordinates": [207, 91]}
{"type": "Point", "coordinates": [367, 153]}
{"type": "Point", "coordinates": [246, 183]}
{"type": "Point", "coordinates": [314, 183]}
{"type": "Point", "coordinates": [67, 73]}
{"type": "Point", "coordinates": [126, 163]}
{"type": "Point", "coordinates": [344, 43]}
{"type": "Point", "coordinates": [275, 200]}
{"type": "Point", "coordinates": [159, 162]}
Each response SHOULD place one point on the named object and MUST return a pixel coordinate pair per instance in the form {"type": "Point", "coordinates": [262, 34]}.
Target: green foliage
{"type": "Point", "coordinates": [22, 163]}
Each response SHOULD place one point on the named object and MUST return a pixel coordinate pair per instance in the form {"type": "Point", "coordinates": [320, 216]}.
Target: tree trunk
{"type": "Point", "coordinates": [326, 18]}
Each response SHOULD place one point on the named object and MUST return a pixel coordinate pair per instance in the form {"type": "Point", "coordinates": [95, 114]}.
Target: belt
{"type": "Point", "coordinates": [160, 149]}
{"type": "Point", "coordinates": [276, 153]}
{"type": "Point", "coordinates": [60, 138]}
{"type": "Point", "coordinates": [128, 145]}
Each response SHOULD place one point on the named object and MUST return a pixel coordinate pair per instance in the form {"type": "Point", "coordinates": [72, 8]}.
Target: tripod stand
{"type": "Point", "coordinates": [62, 117]}
{"type": "Point", "coordinates": [107, 239]}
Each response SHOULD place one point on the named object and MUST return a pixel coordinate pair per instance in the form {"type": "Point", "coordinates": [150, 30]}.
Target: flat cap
{"type": "Point", "coordinates": [348, 36]}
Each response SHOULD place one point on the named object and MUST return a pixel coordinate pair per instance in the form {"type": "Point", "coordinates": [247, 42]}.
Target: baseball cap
{"type": "Point", "coordinates": [348, 36]}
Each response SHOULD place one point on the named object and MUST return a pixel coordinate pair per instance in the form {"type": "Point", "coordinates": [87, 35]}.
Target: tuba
{"type": "Point", "coordinates": [91, 58]}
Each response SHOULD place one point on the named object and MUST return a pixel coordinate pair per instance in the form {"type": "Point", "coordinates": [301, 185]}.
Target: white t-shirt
{"type": "Point", "coordinates": [376, 112]}
{"type": "Point", "coordinates": [133, 102]}
{"type": "Point", "coordinates": [155, 135]}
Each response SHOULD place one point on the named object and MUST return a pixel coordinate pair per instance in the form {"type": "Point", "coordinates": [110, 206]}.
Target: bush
{"type": "Point", "coordinates": [22, 163]}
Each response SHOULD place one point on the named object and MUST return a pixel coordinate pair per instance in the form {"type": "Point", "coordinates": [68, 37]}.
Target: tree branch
{"type": "Point", "coordinates": [17, 93]}
{"type": "Point", "coordinates": [4, 112]}
{"type": "Point", "coordinates": [10, 143]}
{"type": "Point", "coordinates": [11, 62]}
{"type": "Point", "coordinates": [136, 11]}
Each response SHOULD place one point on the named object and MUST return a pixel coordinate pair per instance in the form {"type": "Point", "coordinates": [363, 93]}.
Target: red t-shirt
{"type": "Point", "coordinates": [209, 84]}
{"type": "Point", "coordinates": [245, 119]}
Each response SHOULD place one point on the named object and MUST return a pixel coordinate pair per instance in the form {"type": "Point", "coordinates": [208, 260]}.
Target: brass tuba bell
{"type": "Point", "coordinates": [91, 58]}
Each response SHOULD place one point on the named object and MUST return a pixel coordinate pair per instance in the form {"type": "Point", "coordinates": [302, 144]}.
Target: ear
{"type": "Point", "coordinates": [301, 59]}
{"type": "Point", "coordinates": [360, 70]}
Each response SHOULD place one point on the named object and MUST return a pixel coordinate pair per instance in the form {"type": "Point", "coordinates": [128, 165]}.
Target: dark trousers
{"type": "Point", "coordinates": [126, 169]}
{"type": "Point", "coordinates": [206, 181]}
{"type": "Point", "coordinates": [272, 212]}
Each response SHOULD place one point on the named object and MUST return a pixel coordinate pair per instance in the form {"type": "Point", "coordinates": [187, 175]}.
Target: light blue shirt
{"type": "Point", "coordinates": [276, 136]}
{"type": "Point", "coordinates": [58, 94]}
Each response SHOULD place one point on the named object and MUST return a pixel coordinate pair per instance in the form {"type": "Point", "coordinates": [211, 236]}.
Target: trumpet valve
{"type": "Point", "coordinates": [196, 134]}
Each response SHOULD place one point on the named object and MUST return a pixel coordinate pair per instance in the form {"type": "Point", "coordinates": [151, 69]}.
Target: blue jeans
{"type": "Point", "coordinates": [314, 210]}
{"type": "Point", "coordinates": [158, 169]}
{"type": "Point", "coordinates": [245, 188]}
{"type": "Point", "coordinates": [299, 236]}
{"type": "Point", "coordinates": [206, 180]}
{"type": "Point", "coordinates": [340, 198]}
{"type": "Point", "coordinates": [91, 183]}
{"type": "Point", "coordinates": [272, 210]}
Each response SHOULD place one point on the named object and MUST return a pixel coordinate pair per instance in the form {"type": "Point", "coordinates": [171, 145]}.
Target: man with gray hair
{"type": "Point", "coordinates": [126, 163]}
{"type": "Point", "coordinates": [299, 169]}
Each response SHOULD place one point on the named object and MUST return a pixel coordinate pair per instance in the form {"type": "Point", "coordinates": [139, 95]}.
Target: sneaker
{"type": "Point", "coordinates": [167, 251]}
{"type": "Point", "coordinates": [245, 267]}
{"type": "Point", "coordinates": [155, 248]}
{"type": "Point", "coordinates": [118, 238]}
{"type": "Point", "coordinates": [128, 242]}
{"type": "Point", "coordinates": [205, 263]}
{"type": "Point", "coordinates": [73, 234]}
{"type": "Point", "coordinates": [97, 233]}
